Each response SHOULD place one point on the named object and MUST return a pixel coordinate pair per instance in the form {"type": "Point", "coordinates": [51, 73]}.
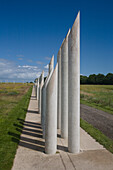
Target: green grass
{"type": "Point", "coordinates": [97, 135]}
{"type": "Point", "coordinates": [13, 107]}
{"type": "Point", "coordinates": [98, 96]}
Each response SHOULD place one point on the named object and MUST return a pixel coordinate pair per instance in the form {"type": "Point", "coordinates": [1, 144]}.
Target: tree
{"type": "Point", "coordinates": [109, 79]}
{"type": "Point", "coordinates": [100, 78]}
{"type": "Point", "coordinates": [92, 79]}
{"type": "Point", "coordinates": [83, 79]}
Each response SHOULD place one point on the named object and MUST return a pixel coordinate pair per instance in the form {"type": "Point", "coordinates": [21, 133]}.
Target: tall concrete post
{"type": "Point", "coordinates": [59, 91]}
{"type": "Point", "coordinates": [42, 106]}
{"type": "Point", "coordinates": [38, 89]}
{"type": "Point", "coordinates": [51, 64]}
{"type": "Point", "coordinates": [41, 85]}
{"type": "Point", "coordinates": [51, 114]}
{"type": "Point", "coordinates": [44, 103]}
{"type": "Point", "coordinates": [74, 87]}
{"type": "Point", "coordinates": [43, 100]}
{"type": "Point", "coordinates": [39, 94]}
{"type": "Point", "coordinates": [64, 88]}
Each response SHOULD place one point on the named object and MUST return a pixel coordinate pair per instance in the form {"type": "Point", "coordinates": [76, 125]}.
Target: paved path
{"type": "Point", "coordinates": [30, 153]}
{"type": "Point", "coordinates": [99, 119]}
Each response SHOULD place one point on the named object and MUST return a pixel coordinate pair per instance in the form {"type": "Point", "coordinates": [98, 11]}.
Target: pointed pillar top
{"type": "Point", "coordinates": [52, 59]}
{"type": "Point", "coordinates": [59, 54]}
{"type": "Point", "coordinates": [65, 37]}
{"type": "Point", "coordinates": [76, 22]}
{"type": "Point", "coordinates": [62, 43]}
{"type": "Point", "coordinates": [51, 64]}
{"type": "Point", "coordinates": [67, 34]}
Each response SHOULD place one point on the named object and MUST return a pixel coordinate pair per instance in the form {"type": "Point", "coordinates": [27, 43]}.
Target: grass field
{"type": "Point", "coordinates": [14, 100]}
{"type": "Point", "coordinates": [98, 96]}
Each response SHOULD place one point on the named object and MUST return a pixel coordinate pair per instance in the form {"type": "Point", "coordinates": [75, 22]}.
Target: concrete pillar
{"type": "Point", "coordinates": [74, 87]}
{"type": "Point", "coordinates": [51, 64]}
{"type": "Point", "coordinates": [64, 88]}
{"type": "Point", "coordinates": [44, 103]}
{"type": "Point", "coordinates": [39, 94]}
{"type": "Point", "coordinates": [59, 91]}
{"type": "Point", "coordinates": [41, 85]}
{"type": "Point", "coordinates": [38, 89]}
{"type": "Point", "coordinates": [51, 114]}
{"type": "Point", "coordinates": [42, 106]}
{"type": "Point", "coordinates": [51, 68]}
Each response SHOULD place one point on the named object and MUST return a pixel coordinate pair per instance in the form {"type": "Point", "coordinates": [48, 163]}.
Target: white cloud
{"type": "Point", "coordinates": [9, 70]}
{"type": "Point", "coordinates": [47, 66]}
{"type": "Point", "coordinates": [29, 67]}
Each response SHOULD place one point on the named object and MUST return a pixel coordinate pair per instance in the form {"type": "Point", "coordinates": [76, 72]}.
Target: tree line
{"type": "Point", "coordinates": [97, 79]}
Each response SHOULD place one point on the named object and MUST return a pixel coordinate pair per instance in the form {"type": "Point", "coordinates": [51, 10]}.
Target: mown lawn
{"type": "Point", "coordinates": [98, 96]}
{"type": "Point", "coordinates": [14, 100]}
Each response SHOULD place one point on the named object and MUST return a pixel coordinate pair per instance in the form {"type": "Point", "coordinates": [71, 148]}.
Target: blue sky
{"type": "Point", "coordinates": [31, 31]}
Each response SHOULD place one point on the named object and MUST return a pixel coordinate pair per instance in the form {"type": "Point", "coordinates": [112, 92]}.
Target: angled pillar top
{"type": "Point", "coordinates": [54, 72]}
{"type": "Point", "coordinates": [62, 43]}
{"type": "Point", "coordinates": [51, 64]}
{"type": "Point", "coordinates": [76, 26]}
{"type": "Point", "coordinates": [65, 39]}
{"type": "Point", "coordinates": [59, 54]}
{"type": "Point", "coordinates": [48, 78]}
{"type": "Point", "coordinates": [42, 77]}
{"type": "Point", "coordinates": [38, 82]}
{"type": "Point", "coordinates": [65, 43]}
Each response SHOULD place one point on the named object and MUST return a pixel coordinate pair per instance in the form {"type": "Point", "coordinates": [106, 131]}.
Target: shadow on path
{"type": "Point", "coordinates": [32, 111]}
{"type": "Point", "coordinates": [33, 98]}
{"type": "Point", "coordinates": [31, 135]}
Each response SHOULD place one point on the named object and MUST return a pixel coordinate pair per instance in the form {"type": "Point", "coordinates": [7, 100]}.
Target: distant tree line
{"type": "Point", "coordinates": [97, 79]}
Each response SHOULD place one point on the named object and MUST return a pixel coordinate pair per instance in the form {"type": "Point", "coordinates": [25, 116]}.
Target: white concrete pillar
{"type": "Point", "coordinates": [44, 103]}
{"type": "Point", "coordinates": [38, 89]}
{"type": "Point", "coordinates": [41, 85]}
{"type": "Point", "coordinates": [51, 64]}
{"type": "Point", "coordinates": [59, 91]}
{"type": "Point", "coordinates": [42, 106]}
{"type": "Point", "coordinates": [51, 114]}
{"type": "Point", "coordinates": [39, 94]}
{"type": "Point", "coordinates": [74, 87]}
{"type": "Point", "coordinates": [64, 88]}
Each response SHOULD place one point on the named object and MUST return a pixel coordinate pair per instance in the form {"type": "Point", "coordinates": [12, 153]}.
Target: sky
{"type": "Point", "coordinates": [31, 31]}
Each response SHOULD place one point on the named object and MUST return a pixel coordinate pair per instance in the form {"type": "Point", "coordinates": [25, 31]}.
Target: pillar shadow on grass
{"type": "Point", "coordinates": [27, 141]}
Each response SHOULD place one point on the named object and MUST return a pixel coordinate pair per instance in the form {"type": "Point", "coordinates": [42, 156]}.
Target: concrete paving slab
{"type": "Point", "coordinates": [30, 153]}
